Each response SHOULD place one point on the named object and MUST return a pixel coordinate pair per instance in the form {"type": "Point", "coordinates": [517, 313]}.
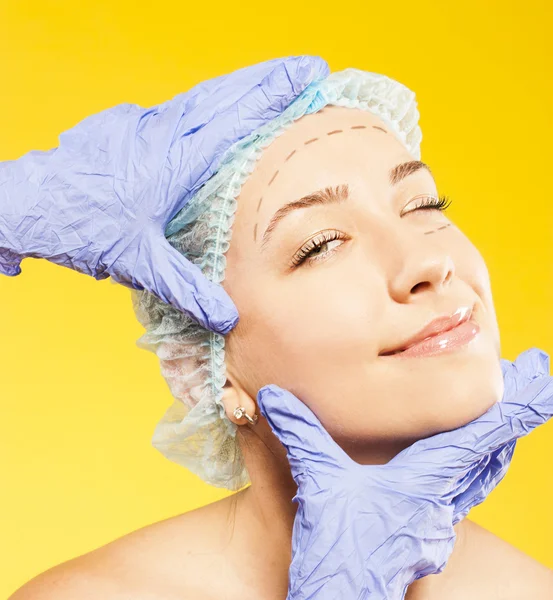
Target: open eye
{"type": "Point", "coordinates": [311, 250]}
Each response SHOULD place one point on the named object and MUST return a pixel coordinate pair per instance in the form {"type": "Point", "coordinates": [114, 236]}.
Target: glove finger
{"type": "Point", "coordinates": [459, 450]}
{"type": "Point", "coordinates": [176, 281]}
{"type": "Point", "coordinates": [484, 481]}
{"type": "Point", "coordinates": [309, 446]}
{"type": "Point", "coordinates": [529, 365]}
{"type": "Point", "coordinates": [205, 121]}
{"type": "Point", "coordinates": [510, 419]}
{"type": "Point", "coordinates": [10, 263]}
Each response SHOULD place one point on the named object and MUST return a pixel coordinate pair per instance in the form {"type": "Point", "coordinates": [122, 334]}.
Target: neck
{"type": "Point", "coordinates": [264, 516]}
{"type": "Point", "coordinates": [264, 513]}
{"type": "Point", "coordinates": [268, 499]}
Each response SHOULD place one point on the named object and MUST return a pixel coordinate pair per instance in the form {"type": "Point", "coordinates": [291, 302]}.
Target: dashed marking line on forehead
{"type": "Point", "coordinates": [273, 177]}
{"type": "Point", "coordinates": [290, 155]}
{"type": "Point", "coordinates": [255, 228]}
{"type": "Point", "coordinates": [333, 132]}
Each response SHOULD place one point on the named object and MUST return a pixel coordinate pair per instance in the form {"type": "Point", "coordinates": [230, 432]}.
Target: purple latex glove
{"type": "Point", "coordinates": [100, 202]}
{"type": "Point", "coordinates": [368, 531]}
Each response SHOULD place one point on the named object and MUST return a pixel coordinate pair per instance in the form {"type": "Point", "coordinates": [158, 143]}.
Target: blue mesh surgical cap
{"type": "Point", "coordinates": [195, 431]}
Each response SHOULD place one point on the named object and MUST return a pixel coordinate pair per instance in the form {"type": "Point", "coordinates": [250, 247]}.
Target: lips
{"type": "Point", "coordinates": [435, 327]}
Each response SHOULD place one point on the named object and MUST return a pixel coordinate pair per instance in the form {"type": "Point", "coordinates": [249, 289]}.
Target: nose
{"type": "Point", "coordinates": [425, 266]}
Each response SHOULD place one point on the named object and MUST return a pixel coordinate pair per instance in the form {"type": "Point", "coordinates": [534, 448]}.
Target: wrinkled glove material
{"type": "Point", "coordinates": [368, 531]}
{"type": "Point", "coordinates": [99, 202]}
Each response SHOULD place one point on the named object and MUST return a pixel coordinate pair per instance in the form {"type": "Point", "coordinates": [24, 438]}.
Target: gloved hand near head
{"type": "Point", "coordinates": [368, 531]}
{"type": "Point", "coordinates": [99, 203]}
{"type": "Point", "coordinates": [360, 531]}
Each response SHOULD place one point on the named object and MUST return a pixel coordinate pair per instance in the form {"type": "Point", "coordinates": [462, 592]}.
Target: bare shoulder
{"type": "Point", "coordinates": [522, 575]}
{"type": "Point", "coordinates": [166, 560]}
{"type": "Point", "coordinates": [487, 567]}
{"type": "Point", "coordinates": [67, 581]}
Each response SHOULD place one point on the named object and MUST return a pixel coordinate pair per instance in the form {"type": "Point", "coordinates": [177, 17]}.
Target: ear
{"type": "Point", "coordinates": [234, 396]}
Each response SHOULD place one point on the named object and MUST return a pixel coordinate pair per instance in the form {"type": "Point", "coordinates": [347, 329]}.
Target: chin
{"type": "Point", "coordinates": [469, 401]}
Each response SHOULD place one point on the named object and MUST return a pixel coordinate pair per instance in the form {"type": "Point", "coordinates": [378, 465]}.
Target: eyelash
{"type": "Point", "coordinates": [305, 252]}
{"type": "Point", "coordinates": [431, 202]}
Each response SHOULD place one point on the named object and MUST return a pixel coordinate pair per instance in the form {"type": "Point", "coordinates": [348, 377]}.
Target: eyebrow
{"type": "Point", "coordinates": [337, 195]}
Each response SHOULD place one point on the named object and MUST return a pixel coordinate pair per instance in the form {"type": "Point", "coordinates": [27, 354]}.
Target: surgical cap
{"type": "Point", "coordinates": [195, 431]}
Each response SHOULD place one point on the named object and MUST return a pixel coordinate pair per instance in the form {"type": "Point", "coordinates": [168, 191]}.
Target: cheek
{"type": "Point", "coordinates": [471, 268]}
{"type": "Point", "coordinates": [306, 332]}
{"type": "Point", "coordinates": [317, 334]}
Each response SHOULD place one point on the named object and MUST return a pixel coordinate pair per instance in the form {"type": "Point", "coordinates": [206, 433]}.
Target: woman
{"type": "Point", "coordinates": [374, 239]}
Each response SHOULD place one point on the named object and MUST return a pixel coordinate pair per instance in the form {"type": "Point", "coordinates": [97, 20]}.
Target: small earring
{"type": "Point", "coordinates": [241, 412]}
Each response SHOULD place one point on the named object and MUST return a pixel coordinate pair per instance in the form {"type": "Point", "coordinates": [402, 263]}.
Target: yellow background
{"type": "Point", "coordinates": [79, 401]}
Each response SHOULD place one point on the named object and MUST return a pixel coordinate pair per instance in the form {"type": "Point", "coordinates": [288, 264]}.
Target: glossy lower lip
{"type": "Point", "coordinates": [443, 342]}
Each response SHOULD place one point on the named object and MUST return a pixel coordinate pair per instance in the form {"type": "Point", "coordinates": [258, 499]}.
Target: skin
{"type": "Point", "coordinates": [318, 331]}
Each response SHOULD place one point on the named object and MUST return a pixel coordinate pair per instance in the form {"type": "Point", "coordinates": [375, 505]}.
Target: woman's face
{"type": "Point", "coordinates": [315, 320]}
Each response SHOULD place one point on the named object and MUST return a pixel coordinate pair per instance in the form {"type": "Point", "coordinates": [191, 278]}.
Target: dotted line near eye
{"type": "Point", "coordinates": [438, 229]}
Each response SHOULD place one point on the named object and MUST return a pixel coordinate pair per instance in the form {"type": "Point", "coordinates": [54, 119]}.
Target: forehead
{"type": "Point", "coordinates": [329, 119]}
{"type": "Point", "coordinates": [332, 126]}
{"type": "Point", "coordinates": [333, 146]}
